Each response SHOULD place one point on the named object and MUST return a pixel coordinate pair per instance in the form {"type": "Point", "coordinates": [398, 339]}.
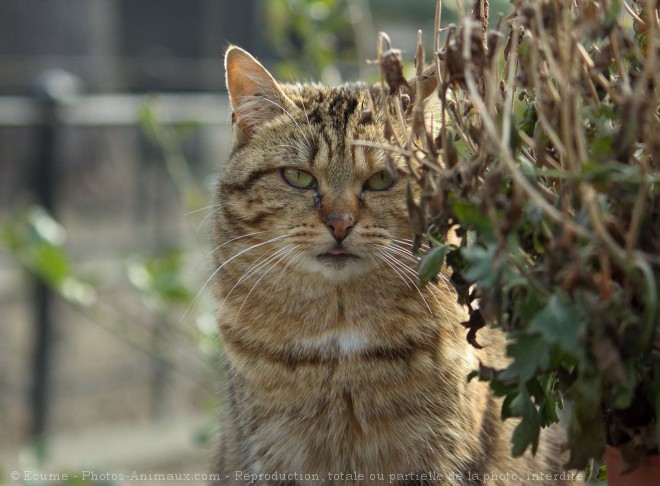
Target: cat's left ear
{"type": "Point", "coordinates": [254, 94]}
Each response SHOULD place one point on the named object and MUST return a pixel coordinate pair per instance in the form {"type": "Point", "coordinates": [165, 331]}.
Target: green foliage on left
{"type": "Point", "coordinates": [37, 241]}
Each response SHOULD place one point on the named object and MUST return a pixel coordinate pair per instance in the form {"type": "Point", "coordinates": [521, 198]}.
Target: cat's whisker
{"type": "Point", "coordinates": [394, 263]}
{"type": "Point", "coordinates": [291, 261]}
{"type": "Point", "coordinates": [440, 276]}
{"type": "Point", "coordinates": [213, 206]}
{"type": "Point", "coordinates": [384, 255]}
{"type": "Point", "coordinates": [216, 208]}
{"type": "Point", "coordinates": [287, 113]}
{"type": "Point", "coordinates": [448, 286]}
{"type": "Point", "coordinates": [238, 313]}
{"type": "Point", "coordinates": [255, 268]}
{"type": "Point", "coordinates": [377, 264]}
{"type": "Point", "coordinates": [403, 266]}
{"type": "Point", "coordinates": [403, 245]}
{"type": "Point", "coordinates": [220, 267]}
{"type": "Point", "coordinates": [409, 242]}
{"type": "Point", "coordinates": [382, 258]}
{"type": "Point", "coordinates": [309, 125]}
{"type": "Point", "coordinates": [402, 251]}
{"type": "Point", "coordinates": [238, 238]}
{"type": "Point", "coordinates": [413, 272]}
{"type": "Point", "coordinates": [261, 261]}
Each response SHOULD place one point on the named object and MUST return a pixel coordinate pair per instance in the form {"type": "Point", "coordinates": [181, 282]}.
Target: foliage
{"type": "Point", "coordinates": [310, 35]}
{"type": "Point", "coordinates": [318, 38]}
{"type": "Point", "coordinates": [546, 163]}
{"type": "Point", "coordinates": [37, 242]}
{"type": "Point", "coordinates": [160, 274]}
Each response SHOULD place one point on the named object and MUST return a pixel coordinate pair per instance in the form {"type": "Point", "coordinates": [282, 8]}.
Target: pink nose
{"type": "Point", "coordinates": [340, 226]}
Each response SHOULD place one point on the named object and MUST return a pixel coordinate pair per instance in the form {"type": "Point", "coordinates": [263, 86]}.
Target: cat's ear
{"type": "Point", "coordinates": [253, 93]}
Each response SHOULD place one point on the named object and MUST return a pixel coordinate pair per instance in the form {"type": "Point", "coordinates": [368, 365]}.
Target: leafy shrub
{"type": "Point", "coordinates": [545, 155]}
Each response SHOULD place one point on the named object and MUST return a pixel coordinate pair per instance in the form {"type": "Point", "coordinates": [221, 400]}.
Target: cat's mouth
{"type": "Point", "coordinates": [337, 257]}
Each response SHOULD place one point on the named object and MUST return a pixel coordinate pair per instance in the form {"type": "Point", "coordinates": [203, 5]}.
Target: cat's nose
{"type": "Point", "coordinates": [340, 226]}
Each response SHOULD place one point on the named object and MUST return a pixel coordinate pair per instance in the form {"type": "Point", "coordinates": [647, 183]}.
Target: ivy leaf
{"type": "Point", "coordinates": [506, 407]}
{"type": "Point", "coordinates": [480, 264]}
{"type": "Point", "coordinates": [525, 435]}
{"type": "Point", "coordinates": [560, 322]}
{"type": "Point", "coordinates": [470, 215]}
{"type": "Point", "coordinates": [548, 411]}
{"type": "Point", "coordinates": [530, 353]}
{"type": "Point", "coordinates": [521, 405]}
{"type": "Point", "coordinates": [432, 262]}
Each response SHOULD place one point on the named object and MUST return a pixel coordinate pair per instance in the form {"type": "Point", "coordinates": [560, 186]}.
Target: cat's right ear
{"type": "Point", "coordinates": [254, 95]}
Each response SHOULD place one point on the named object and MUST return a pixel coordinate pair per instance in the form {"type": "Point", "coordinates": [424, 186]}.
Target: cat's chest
{"type": "Point", "coordinates": [340, 397]}
{"type": "Point", "coordinates": [346, 414]}
{"type": "Point", "coordinates": [339, 343]}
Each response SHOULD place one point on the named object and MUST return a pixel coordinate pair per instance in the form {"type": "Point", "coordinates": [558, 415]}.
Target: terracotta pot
{"type": "Point", "coordinates": [647, 474]}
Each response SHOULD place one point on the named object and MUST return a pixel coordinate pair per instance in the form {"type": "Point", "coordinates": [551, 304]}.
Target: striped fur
{"type": "Point", "coordinates": [338, 368]}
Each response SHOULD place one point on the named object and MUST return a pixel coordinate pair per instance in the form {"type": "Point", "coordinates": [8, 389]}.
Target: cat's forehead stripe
{"type": "Point", "coordinates": [336, 116]}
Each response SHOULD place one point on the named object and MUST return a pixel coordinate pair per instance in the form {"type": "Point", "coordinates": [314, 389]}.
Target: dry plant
{"type": "Point", "coordinates": [544, 156]}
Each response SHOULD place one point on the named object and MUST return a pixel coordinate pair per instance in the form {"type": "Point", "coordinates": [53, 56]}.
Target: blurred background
{"type": "Point", "coordinates": [113, 124]}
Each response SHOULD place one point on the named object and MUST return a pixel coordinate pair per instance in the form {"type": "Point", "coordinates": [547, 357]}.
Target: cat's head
{"type": "Point", "coordinates": [308, 186]}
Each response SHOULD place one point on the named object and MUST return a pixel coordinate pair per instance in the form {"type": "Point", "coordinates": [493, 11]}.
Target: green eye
{"type": "Point", "coordinates": [299, 178]}
{"type": "Point", "coordinates": [379, 181]}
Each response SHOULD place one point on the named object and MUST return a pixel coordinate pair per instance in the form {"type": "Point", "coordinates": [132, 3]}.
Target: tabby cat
{"type": "Point", "coordinates": [341, 368]}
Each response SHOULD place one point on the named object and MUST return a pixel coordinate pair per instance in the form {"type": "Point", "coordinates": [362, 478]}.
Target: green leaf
{"type": "Point", "coordinates": [528, 305]}
{"type": "Point", "coordinates": [525, 435]}
{"type": "Point", "coordinates": [548, 411]}
{"type": "Point", "coordinates": [50, 263]}
{"type": "Point", "coordinates": [470, 215]}
{"type": "Point", "coordinates": [432, 262]}
{"type": "Point", "coordinates": [161, 277]}
{"type": "Point", "coordinates": [481, 267]}
{"type": "Point", "coordinates": [560, 322]}
{"type": "Point", "coordinates": [521, 405]}
{"type": "Point", "coordinates": [506, 407]}
{"type": "Point", "coordinates": [148, 120]}
{"type": "Point", "coordinates": [530, 353]}
{"type": "Point", "coordinates": [612, 14]}
{"type": "Point", "coordinates": [529, 119]}
{"type": "Point", "coordinates": [602, 149]}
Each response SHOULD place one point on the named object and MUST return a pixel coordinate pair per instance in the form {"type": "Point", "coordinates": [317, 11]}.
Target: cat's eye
{"type": "Point", "coordinates": [379, 181]}
{"type": "Point", "coordinates": [299, 178]}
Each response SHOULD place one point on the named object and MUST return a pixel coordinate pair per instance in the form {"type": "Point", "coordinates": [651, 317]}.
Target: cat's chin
{"type": "Point", "coordinates": [337, 268]}
{"type": "Point", "coordinates": [337, 261]}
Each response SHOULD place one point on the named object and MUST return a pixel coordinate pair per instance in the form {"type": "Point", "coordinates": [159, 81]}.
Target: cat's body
{"type": "Point", "coordinates": [341, 367]}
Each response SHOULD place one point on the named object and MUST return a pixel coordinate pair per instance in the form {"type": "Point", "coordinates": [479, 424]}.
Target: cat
{"type": "Point", "coordinates": [341, 367]}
